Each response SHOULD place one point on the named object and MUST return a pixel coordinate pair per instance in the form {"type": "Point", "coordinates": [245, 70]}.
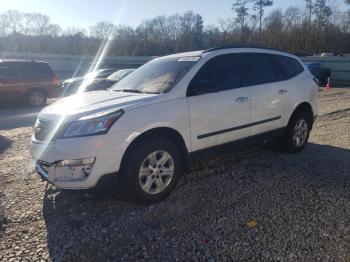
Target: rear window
{"type": "Point", "coordinates": [286, 67]}
{"type": "Point", "coordinates": [254, 69]}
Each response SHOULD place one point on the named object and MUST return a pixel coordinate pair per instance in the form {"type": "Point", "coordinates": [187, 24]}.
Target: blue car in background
{"type": "Point", "coordinates": [321, 74]}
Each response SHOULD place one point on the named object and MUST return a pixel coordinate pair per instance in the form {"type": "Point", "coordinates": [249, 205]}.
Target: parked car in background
{"type": "Point", "coordinates": [331, 54]}
{"type": "Point", "coordinates": [303, 54]}
{"type": "Point", "coordinates": [321, 74]}
{"type": "Point", "coordinates": [71, 85]}
{"type": "Point", "coordinates": [146, 129]}
{"type": "Point", "coordinates": [27, 81]}
{"type": "Point", "coordinates": [100, 83]}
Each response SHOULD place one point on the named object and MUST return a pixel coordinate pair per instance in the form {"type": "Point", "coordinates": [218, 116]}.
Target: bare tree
{"type": "Point", "coordinates": [274, 29]}
{"type": "Point", "coordinates": [28, 24]}
{"type": "Point", "coordinates": [4, 25]}
{"type": "Point", "coordinates": [329, 30]}
{"type": "Point", "coordinates": [102, 30]}
{"type": "Point", "coordinates": [240, 8]}
{"type": "Point", "coordinates": [259, 7]}
{"type": "Point", "coordinates": [322, 14]}
{"type": "Point", "coordinates": [309, 8]}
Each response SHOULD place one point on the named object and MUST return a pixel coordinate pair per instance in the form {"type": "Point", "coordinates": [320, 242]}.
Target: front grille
{"type": "Point", "coordinates": [43, 129]}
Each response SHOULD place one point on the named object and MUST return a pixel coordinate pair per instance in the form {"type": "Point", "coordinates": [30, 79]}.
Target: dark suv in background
{"type": "Point", "coordinates": [321, 73]}
{"type": "Point", "coordinates": [27, 81]}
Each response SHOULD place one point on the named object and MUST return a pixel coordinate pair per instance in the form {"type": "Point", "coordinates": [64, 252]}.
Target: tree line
{"type": "Point", "coordinates": [318, 27]}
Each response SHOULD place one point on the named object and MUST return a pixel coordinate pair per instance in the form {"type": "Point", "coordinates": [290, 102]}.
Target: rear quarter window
{"type": "Point", "coordinates": [286, 67]}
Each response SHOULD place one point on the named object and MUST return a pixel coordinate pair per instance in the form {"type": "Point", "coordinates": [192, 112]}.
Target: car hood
{"type": "Point", "coordinates": [71, 80]}
{"type": "Point", "coordinates": [92, 102]}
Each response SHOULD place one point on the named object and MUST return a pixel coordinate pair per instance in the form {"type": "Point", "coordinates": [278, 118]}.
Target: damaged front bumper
{"type": "Point", "coordinates": [65, 171]}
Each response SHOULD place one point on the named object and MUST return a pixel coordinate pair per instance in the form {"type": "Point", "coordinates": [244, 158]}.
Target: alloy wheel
{"type": "Point", "coordinates": [37, 98]}
{"type": "Point", "coordinates": [300, 133]}
{"type": "Point", "coordinates": [156, 172]}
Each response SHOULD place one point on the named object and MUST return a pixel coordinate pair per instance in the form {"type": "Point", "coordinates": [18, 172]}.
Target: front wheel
{"type": "Point", "coordinates": [151, 170]}
{"type": "Point", "coordinates": [297, 133]}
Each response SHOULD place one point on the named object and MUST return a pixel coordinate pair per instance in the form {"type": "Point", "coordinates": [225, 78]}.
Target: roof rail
{"type": "Point", "coordinates": [239, 46]}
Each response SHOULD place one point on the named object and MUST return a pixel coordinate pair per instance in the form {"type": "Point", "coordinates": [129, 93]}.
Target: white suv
{"type": "Point", "coordinates": [146, 129]}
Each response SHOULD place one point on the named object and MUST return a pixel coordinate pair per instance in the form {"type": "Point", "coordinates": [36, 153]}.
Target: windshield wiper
{"type": "Point", "coordinates": [134, 91]}
{"type": "Point", "coordinates": [128, 90]}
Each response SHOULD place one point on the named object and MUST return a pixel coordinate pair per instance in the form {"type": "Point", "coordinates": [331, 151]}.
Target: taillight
{"type": "Point", "coordinates": [55, 80]}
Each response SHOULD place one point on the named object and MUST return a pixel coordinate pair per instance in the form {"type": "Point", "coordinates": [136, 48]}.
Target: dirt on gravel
{"type": "Point", "coordinates": [258, 204]}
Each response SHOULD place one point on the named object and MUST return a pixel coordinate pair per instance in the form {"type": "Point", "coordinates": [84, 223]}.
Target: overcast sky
{"type": "Point", "coordinates": [84, 13]}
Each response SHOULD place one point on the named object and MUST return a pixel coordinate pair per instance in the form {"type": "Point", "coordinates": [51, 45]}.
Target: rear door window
{"type": "Point", "coordinates": [35, 69]}
{"type": "Point", "coordinates": [221, 71]}
{"type": "Point", "coordinates": [286, 67]}
{"type": "Point", "coordinates": [254, 69]}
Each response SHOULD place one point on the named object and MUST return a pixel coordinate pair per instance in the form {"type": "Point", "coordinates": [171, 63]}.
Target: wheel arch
{"type": "Point", "coordinates": [166, 132]}
{"type": "Point", "coordinates": [32, 89]}
{"type": "Point", "coordinates": [306, 108]}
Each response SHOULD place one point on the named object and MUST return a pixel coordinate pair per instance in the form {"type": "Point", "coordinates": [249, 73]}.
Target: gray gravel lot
{"type": "Point", "coordinates": [297, 205]}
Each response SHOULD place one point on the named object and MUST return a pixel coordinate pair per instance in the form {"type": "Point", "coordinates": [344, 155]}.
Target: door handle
{"type": "Point", "coordinates": [241, 99]}
{"type": "Point", "coordinates": [283, 91]}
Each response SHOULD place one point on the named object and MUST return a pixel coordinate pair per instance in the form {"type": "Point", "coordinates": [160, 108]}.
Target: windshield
{"type": "Point", "coordinates": [157, 76]}
{"type": "Point", "coordinates": [120, 74]}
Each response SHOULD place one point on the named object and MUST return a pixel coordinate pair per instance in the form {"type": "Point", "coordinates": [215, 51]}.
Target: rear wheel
{"type": "Point", "coordinates": [37, 98]}
{"type": "Point", "coordinates": [151, 170]}
{"type": "Point", "coordinates": [297, 134]}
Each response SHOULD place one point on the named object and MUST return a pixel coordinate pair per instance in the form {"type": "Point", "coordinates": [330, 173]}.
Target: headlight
{"type": "Point", "coordinates": [95, 124]}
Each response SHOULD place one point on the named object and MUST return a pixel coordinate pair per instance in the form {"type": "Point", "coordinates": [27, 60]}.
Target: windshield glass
{"type": "Point", "coordinates": [120, 74]}
{"type": "Point", "coordinates": [157, 76]}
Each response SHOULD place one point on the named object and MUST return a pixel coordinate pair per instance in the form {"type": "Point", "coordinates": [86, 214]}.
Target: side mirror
{"type": "Point", "coordinates": [201, 87]}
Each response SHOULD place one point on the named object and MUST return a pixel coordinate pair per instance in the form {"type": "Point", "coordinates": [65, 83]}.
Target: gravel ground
{"type": "Point", "coordinates": [258, 204]}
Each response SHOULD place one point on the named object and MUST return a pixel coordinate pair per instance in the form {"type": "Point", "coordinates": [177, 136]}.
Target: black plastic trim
{"type": "Point", "coordinates": [238, 127]}
{"type": "Point", "coordinates": [236, 145]}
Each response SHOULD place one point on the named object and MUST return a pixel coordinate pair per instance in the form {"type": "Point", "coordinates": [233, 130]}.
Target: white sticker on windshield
{"type": "Point", "coordinates": [189, 59]}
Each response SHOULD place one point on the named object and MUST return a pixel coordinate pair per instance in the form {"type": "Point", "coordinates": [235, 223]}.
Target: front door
{"type": "Point", "coordinates": [221, 113]}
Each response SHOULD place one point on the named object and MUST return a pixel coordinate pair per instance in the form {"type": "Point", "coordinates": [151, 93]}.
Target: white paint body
{"type": "Point", "coordinates": [189, 116]}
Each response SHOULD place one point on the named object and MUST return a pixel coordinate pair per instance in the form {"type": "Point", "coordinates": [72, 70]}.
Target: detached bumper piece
{"type": "Point", "coordinates": [42, 169]}
{"type": "Point", "coordinates": [75, 170]}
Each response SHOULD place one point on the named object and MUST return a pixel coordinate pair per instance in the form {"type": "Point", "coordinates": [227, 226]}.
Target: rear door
{"type": "Point", "coordinates": [223, 116]}
{"type": "Point", "coordinates": [287, 71]}
{"type": "Point", "coordinates": [257, 74]}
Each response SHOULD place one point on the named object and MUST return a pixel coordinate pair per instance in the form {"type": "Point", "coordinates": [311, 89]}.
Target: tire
{"type": "Point", "coordinates": [156, 180]}
{"type": "Point", "coordinates": [297, 133]}
{"type": "Point", "coordinates": [37, 98]}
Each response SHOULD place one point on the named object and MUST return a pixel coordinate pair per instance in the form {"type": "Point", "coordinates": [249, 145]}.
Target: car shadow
{"type": "Point", "coordinates": [96, 225]}
{"type": "Point", "coordinates": [17, 116]}
{"type": "Point", "coordinates": [5, 143]}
